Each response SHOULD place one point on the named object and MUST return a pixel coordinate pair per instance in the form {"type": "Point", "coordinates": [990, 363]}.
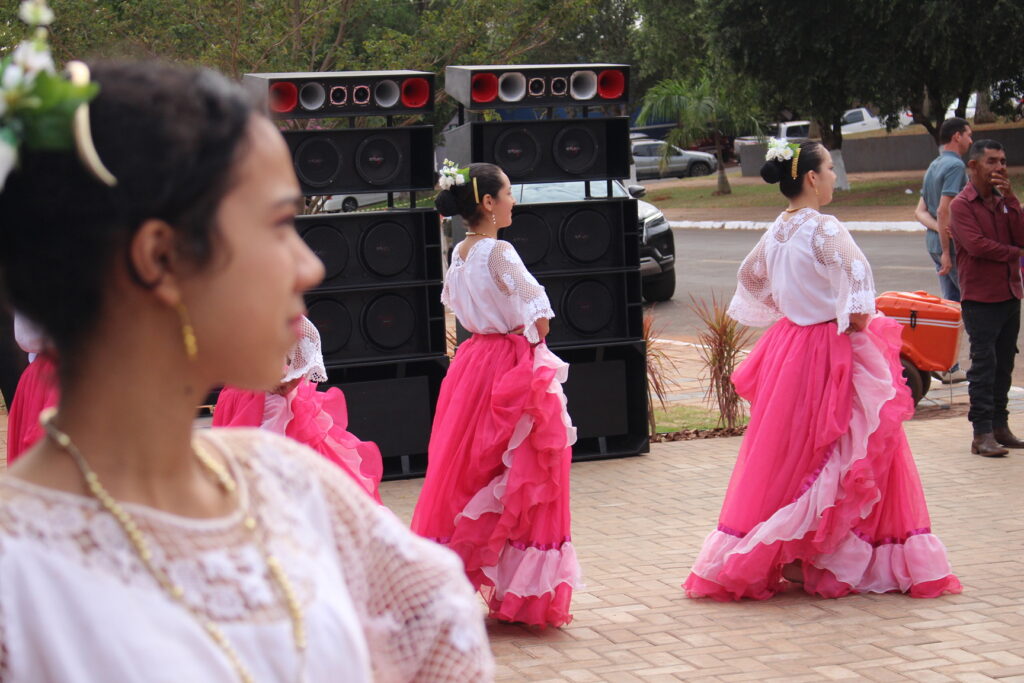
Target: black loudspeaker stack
{"type": "Point", "coordinates": [585, 253]}
{"type": "Point", "coordinates": [378, 308]}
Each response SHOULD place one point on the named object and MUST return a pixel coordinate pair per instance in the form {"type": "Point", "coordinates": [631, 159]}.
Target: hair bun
{"type": "Point", "coordinates": [771, 172]}
{"type": "Point", "coordinates": [446, 203]}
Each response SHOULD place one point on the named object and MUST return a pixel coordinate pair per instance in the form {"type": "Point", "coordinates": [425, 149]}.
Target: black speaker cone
{"type": "Point", "coordinates": [334, 323]}
{"type": "Point", "coordinates": [317, 161]}
{"type": "Point", "coordinates": [330, 247]}
{"type": "Point", "coordinates": [575, 149]}
{"type": "Point", "coordinates": [586, 236]}
{"type": "Point", "coordinates": [389, 321]}
{"type": "Point", "coordinates": [588, 306]}
{"type": "Point", "coordinates": [378, 160]}
{"type": "Point", "coordinates": [517, 151]}
{"type": "Point", "coordinates": [530, 235]}
{"type": "Point", "coordinates": [387, 249]}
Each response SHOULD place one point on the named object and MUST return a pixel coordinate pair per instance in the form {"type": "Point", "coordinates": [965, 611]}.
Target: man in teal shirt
{"type": "Point", "coordinates": [943, 180]}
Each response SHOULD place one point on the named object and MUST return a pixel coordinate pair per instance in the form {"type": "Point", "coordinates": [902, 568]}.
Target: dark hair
{"type": "Point", "coordinates": [812, 154]}
{"type": "Point", "coordinates": [951, 127]}
{"type": "Point", "coordinates": [460, 200]}
{"type": "Point", "coordinates": [170, 136]}
{"type": "Point", "coordinates": [978, 148]}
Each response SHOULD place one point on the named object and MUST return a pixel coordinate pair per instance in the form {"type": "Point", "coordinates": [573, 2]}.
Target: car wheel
{"type": "Point", "coordinates": [699, 168]}
{"type": "Point", "coordinates": [915, 379]}
{"type": "Point", "coordinates": [349, 204]}
{"type": "Point", "coordinates": [660, 287]}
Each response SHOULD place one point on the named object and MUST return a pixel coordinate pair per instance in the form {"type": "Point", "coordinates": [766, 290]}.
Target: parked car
{"type": "Point", "coordinates": [860, 119]}
{"type": "Point", "coordinates": [658, 247]}
{"type": "Point", "coordinates": [352, 202]}
{"type": "Point", "coordinates": [791, 131]}
{"type": "Point", "coordinates": [647, 155]}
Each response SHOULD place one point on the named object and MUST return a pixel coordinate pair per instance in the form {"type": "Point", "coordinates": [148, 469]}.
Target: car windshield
{"type": "Point", "coordinates": [572, 191]}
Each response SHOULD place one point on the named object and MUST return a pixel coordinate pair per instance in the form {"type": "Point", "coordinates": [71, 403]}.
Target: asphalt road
{"type": "Point", "coordinates": [707, 260]}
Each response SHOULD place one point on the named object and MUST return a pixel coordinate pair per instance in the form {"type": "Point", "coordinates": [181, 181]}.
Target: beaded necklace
{"type": "Point", "coordinates": [176, 592]}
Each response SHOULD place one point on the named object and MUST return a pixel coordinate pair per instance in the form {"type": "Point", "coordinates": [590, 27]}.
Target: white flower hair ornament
{"type": "Point", "coordinates": [451, 175]}
{"type": "Point", "coordinates": [780, 150]}
{"type": "Point", "coordinates": [39, 108]}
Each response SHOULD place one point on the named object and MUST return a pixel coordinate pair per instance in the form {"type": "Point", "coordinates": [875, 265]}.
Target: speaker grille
{"type": "Point", "coordinates": [588, 306]}
{"type": "Point", "coordinates": [586, 236]}
{"type": "Point", "coordinates": [334, 323]}
{"type": "Point", "coordinates": [575, 150]}
{"type": "Point", "coordinates": [378, 160]}
{"type": "Point", "coordinates": [387, 249]}
{"type": "Point", "coordinates": [517, 151]}
{"type": "Point", "coordinates": [330, 247]}
{"type": "Point", "coordinates": [389, 321]}
{"type": "Point", "coordinates": [317, 161]}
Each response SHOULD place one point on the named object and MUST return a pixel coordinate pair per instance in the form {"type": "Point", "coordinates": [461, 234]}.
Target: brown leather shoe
{"type": "Point", "coordinates": [1006, 438]}
{"type": "Point", "coordinates": [986, 444]}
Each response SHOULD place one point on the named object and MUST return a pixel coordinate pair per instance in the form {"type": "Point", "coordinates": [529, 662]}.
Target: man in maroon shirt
{"type": "Point", "coordinates": [988, 228]}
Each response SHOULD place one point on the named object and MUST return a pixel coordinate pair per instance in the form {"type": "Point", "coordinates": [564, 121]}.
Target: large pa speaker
{"type": "Point", "coordinates": [354, 160]}
{"type": "Point", "coordinates": [371, 323]}
{"type": "Point", "coordinates": [547, 151]}
{"type": "Point", "coordinates": [374, 247]}
{"type": "Point", "coordinates": [392, 404]}
{"type": "Point", "coordinates": [597, 234]}
{"type": "Point", "coordinates": [537, 85]}
{"type": "Point", "coordinates": [607, 399]}
{"type": "Point", "coordinates": [594, 307]}
{"type": "Point", "coordinates": [342, 93]}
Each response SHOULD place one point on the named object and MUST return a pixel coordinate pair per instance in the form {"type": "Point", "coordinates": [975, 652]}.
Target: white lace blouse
{"type": "Point", "coordinates": [379, 603]}
{"type": "Point", "coordinates": [807, 268]}
{"type": "Point", "coordinates": [492, 292]}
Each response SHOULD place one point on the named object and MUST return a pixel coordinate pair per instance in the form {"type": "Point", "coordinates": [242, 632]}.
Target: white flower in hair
{"type": "Point", "coordinates": [778, 150]}
{"type": "Point", "coordinates": [35, 13]}
{"type": "Point", "coordinates": [450, 175]}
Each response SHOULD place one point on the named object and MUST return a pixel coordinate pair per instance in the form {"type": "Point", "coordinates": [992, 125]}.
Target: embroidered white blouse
{"type": "Point", "coordinates": [492, 292]}
{"type": "Point", "coordinates": [379, 603]}
{"type": "Point", "coordinates": [807, 268]}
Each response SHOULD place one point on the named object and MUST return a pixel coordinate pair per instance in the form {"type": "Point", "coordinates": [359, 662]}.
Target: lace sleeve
{"type": "Point", "coordinates": [837, 257]}
{"type": "Point", "coordinates": [305, 359]}
{"type": "Point", "coordinates": [752, 304]}
{"type": "Point", "coordinates": [524, 292]}
{"type": "Point", "coordinates": [420, 615]}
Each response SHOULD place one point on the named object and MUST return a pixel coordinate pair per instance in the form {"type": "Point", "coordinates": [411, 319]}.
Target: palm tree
{"type": "Point", "coordinates": [707, 105]}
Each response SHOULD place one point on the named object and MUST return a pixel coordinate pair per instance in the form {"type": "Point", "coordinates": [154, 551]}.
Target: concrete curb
{"type": "Point", "coordinates": [853, 226]}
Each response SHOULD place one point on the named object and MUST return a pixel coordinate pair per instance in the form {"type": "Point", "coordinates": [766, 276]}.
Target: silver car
{"type": "Point", "coordinates": [647, 154]}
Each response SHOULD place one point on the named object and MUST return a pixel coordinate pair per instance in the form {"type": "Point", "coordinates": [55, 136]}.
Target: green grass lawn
{"type": "Point", "coordinates": [678, 417]}
{"type": "Point", "coordinates": [890, 192]}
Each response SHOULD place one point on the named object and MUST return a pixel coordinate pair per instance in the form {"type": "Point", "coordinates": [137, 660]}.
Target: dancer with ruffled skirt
{"type": "Point", "coordinates": [497, 484]}
{"type": "Point", "coordinates": [318, 419]}
{"type": "Point", "coordinates": [825, 492]}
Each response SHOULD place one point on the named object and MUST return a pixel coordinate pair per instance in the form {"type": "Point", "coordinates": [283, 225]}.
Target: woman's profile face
{"type": "Point", "coordinates": [247, 306]}
{"type": "Point", "coordinates": [503, 204]}
{"type": "Point", "coordinates": [826, 178]}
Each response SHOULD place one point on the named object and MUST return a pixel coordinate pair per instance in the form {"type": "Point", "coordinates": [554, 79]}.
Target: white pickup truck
{"type": "Point", "coordinates": [860, 119]}
{"type": "Point", "coordinates": [791, 131]}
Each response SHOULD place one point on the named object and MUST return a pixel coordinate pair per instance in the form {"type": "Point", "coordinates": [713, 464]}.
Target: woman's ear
{"type": "Point", "coordinates": [153, 260]}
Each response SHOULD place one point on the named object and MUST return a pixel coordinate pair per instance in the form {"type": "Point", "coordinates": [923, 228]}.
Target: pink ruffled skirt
{"type": "Point", "coordinates": [37, 390]}
{"type": "Point", "coordinates": [824, 474]}
{"type": "Point", "coordinates": [318, 419]}
{"type": "Point", "coordinates": [497, 484]}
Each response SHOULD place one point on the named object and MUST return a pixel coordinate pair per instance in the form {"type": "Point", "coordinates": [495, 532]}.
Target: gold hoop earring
{"type": "Point", "coordinates": [188, 335]}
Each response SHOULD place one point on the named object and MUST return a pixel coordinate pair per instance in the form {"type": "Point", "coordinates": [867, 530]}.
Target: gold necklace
{"type": "Point", "coordinates": [142, 548]}
{"type": "Point", "coordinates": [479, 234]}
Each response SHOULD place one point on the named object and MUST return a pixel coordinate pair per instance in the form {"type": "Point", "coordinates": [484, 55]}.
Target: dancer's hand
{"type": "Point", "coordinates": [285, 388]}
{"type": "Point", "coordinates": [858, 321]}
{"type": "Point", "coordinates": [543, 327]}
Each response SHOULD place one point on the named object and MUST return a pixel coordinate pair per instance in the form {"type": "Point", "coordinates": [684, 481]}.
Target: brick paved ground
{"type": "Point", "coordinates": [639, 521]}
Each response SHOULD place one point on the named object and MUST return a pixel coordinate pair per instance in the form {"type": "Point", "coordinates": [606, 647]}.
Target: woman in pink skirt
{"type": "Point", "coordinates": [497, 485]}
{"type": "Point", "coordinates": [824, 492]}
{"type": "Point", "coordinates": [318, 419]}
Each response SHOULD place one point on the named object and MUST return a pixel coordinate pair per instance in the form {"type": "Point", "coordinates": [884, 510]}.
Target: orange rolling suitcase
{"type": "Point", "coordinates": [931, 334]}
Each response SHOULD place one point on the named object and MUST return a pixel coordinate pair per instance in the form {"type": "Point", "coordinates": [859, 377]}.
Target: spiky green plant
{"type": "Point", "coordinates": [660, 369]}
{"type": "Point", "coordinates": [721, 345]}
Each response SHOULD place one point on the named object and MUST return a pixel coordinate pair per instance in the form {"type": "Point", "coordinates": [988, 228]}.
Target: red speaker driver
{"type": "Point", "coordinates": [284, 96]}
{"type": "Point", "coordinates": [415, 92]}
{"type": "Point", "coordinates": [485, 87]}
{"type": "Point", "coordinates": [611, 83]}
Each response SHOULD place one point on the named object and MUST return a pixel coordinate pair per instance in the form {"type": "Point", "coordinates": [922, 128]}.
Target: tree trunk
{"type": "Point", "coordinates": [832, 138]}
{"type": "Point", "coordinates": [983, 111]}
{"type": "Point", "coordinates": [723, 181]}
{"type": "Point", "coordinates": [961, 105]}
